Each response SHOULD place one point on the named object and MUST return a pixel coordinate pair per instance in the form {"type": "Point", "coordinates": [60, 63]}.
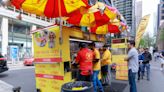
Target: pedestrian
{"type": "Point", "coordinates": [132, 60]}
{"type": "Point", "coordinates": [161, 57]}
{"type": "Point", "coordinates": [96, 69]}
{"type": "Point", "coordinates": [146, 63]}
{"type": "Point", "coordinates": [84, 58]}
{"type": "Point", "coordinates": [140, 57]}
{"type": "Point", "coordinates": [105, 62]}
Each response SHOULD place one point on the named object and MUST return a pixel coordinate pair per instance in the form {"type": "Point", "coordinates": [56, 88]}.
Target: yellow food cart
{"type": "Point", "coordinates": [119, 52]}
{"type": "Point", "coordinates": [52, 59]}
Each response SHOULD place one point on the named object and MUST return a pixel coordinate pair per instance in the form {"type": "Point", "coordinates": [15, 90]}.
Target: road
{"type": "Point", "coordinates": [21, 77]}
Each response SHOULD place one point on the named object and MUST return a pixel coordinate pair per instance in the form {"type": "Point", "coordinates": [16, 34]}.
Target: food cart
{"type": "Point", "coordinates": [53, 59]}
{"type": "Point", "coordinates": [119, 52]}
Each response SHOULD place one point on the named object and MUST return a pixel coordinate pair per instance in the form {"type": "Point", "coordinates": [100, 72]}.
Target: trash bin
{"type": "Point", "coordinates": [77, 86]}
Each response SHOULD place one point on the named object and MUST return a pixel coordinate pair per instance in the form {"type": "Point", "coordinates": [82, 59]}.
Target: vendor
{"type": "Point", "coordinates": [84, 58]}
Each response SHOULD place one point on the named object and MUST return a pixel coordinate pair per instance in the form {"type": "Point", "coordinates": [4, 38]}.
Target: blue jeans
{"type": "Point", "coordinates": [148, 70]}
{"type": "Point", "coordinates": [96, 82]}
{"type": "Point", "coordinates": [132, 81]}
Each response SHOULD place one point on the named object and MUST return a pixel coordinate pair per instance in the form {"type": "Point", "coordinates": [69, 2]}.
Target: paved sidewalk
{"type": "Point", "coordinates": [156, 83]}
{"type": "Point", "coordinates": [18, 65]}
{"type": "Point", "coordinates": [4, 87]}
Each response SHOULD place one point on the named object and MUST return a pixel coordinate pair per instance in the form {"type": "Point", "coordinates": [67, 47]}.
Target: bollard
{"type": "Point", "coordinates": [16, 89]}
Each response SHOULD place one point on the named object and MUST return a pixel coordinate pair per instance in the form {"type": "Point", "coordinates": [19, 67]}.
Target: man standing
{"type": "Point", "coordinates": [96, 69]}
{"type": "Point", "coordinates": [132, 60]}
{"type": "Point", "coordinates": [105, 62]}
{"type": "Point", "coordinates": [147, 58]}
{"type": "Point", "coordinates": [85, 58]}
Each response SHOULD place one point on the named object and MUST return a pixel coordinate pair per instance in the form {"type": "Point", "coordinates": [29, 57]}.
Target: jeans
{"type": "Point", "coordinates": [148, 70]}
{"type": "Point", "coordinates": [139, 72]}
{"type": "Point", "coordinates": [132, 81]}
{"type": "Point", "coordinates": [96, 82]}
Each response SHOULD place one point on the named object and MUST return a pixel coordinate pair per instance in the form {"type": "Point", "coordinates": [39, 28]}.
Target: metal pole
{"type": "Point", "coordinates": [26, 36]}
{"type": "Point", "coordinates": [12, 31]}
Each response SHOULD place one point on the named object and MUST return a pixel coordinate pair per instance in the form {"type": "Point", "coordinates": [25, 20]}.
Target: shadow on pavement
{"type": "Point", "coordinates": [115, 87]}
{"type": "Point", "coordinates": [3, 75]}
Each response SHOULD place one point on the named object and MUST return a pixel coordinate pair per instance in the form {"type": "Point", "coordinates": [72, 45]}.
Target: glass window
{"type": "Point", "coordinates": [119, 51]}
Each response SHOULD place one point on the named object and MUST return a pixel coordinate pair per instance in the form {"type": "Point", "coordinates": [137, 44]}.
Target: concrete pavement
{"type": "Point", "coordinates": [156, 83]}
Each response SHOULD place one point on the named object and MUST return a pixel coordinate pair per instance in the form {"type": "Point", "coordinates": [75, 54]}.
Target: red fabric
{"type": "Point", "coordinates": [17, 3]}
{"type": "Point", "coordinates": [93, 29]}
{"type": "Point", "coordinates": [49, 9]}
{"type": "Point", "coordinates": [52, 8]}
{"type": "Point", "coordinates": [56, 9]}
{"type": "Point", "coordinates": [85, 58]}
{"type": "Point", "coordinates": [75, 18]}
{"type": "Point", "coordinates": [113, 28]}
{"type": "Point", "coordinates": [101, 19]}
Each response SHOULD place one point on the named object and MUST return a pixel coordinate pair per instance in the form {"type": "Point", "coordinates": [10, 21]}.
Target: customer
{"type": "Point", "coordinates": [105, 62]}
{"type": "Point", "coordinates": [85, 58]}
{"type": "Point", "coordinates": [96, 69]}
{"type": "Point", "coordinates": [132, 60]}
{"type": "Point", "coordinates": [161, 58]}
{"type": "Point", "coordinates": [140, 57]}
{"type": "Point", "coordinates": [147, 58]}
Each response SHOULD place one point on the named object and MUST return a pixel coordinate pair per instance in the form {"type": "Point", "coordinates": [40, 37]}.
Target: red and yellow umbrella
{"type": "Point", "coordinates": [92, 17]}
{"type": "Point", "coordinates": [50, 8]}
{"type": "Point", "coordinates": [114, 27]}
{"type": "Point", "coordinates": [107, 28]}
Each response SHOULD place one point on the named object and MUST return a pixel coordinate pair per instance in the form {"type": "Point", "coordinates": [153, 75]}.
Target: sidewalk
{"type": "Point", "coordinates": [18, 65]}
{"type": "Point", "coordinates": [156, 83]}
{"type": "Point", "coordinates": [4, 87]}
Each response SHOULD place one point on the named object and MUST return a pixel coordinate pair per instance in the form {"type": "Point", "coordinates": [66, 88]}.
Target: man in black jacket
{"type": "Point", "coordinates": [147, 58]}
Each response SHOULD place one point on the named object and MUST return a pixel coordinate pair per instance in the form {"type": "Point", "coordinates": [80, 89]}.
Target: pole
{"type": "Point", "coordinates": [61, 37]}
{"type": "Point", "coordinates": [12, 31]}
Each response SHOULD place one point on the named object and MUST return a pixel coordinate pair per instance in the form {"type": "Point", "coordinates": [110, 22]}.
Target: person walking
{"type": "Point", "coordinates": [85, 58]}
{"type": "Point", "coordinates": [146, 63]}
{"type": "Point", "coordinates": [140, 57]}
{"type": "Point", "coordinates": [105, 62]}
{"type": "Point", "coordinates": [132, 60]}
{"type": "Point", "coordinates": [96, 69]}
{"type": "Point", "coordinates": [161, 57]}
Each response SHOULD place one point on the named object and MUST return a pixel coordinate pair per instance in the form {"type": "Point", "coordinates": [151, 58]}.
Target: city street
{"type": "Point", "coordinates": [24, 78]}
{"type": "Point", "coordinates": [156, 80]}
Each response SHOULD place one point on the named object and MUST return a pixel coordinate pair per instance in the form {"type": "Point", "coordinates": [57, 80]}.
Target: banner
{"type": "Point", "coordinates": [141, 29]}
{"type": "Point", "coordinates": [46, 47]}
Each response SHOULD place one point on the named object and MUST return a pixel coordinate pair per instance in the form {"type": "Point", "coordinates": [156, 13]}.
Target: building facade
{"type": "Point", "coordinates": [138, 12]}
{"type": "Point", "coordinates": [160, 24]}
{"type": "Point", "coordinates": [127, 9]}
{"type": "Point", "coordinates": [15, 32]}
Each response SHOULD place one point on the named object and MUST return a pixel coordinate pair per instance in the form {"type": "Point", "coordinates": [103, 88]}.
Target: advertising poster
{"type": "Point", "coordinates": [46, 45]}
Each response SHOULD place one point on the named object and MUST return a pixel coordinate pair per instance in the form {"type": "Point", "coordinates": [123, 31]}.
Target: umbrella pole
{"type": "Point", "coordinates": [60, 27]}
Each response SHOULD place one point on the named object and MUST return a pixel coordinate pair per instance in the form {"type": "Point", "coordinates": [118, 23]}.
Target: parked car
{"type": "Point", "coordinates": [29, 61]}
{"type": "Point", "coordinates": [3, 64]}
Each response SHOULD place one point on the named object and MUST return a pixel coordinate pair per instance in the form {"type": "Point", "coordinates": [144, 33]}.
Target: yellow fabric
{"type": "Point", "coordinates": [72, 5]}
{"type": "Point", "coordinates": [97, 65]}
{"type": "Point", "coordinates": [106, 58]}
{"type": "Point", "coordinates": [34, 6]}
{"type": "Point", "coordinates": [141, 29]}
{"type": "Point", "coordinates": [88, 19]}
{"type": "Point", "coordinates": [110, 14]}
{"type": "Point", "coordinates": [116, 22]}
{"type": "Point", "coordinates": [102, 29]}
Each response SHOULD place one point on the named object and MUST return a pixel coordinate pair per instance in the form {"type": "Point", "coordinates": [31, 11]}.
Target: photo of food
{"type": "Point", "coordinates": [41, 38]}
